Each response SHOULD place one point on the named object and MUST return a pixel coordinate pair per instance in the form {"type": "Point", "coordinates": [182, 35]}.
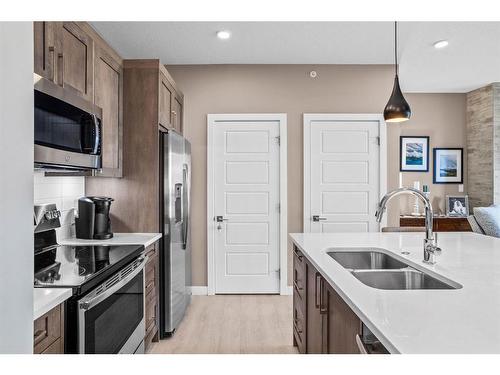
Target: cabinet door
{"type": "Point", "coordinates": [166, 93]}
{"type": "Point", "coordinates": [108, 88]}
{"type": "Point", "coordinates": [341, 325]}
{"type": "Point", "coordinates": [177, 114]}
{"type": "Point", "coordinates": [75, 60]}
{"type": "Point", "coordinates": [44, 49]}
{"type": "Point", "coordinates": [47, 329]}
{"type": "Point", "coordinates": [313, 315]}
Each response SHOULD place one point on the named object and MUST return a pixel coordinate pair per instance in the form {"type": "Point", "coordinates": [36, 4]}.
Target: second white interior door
{"type": "Point", "coordinates": [341, 173]}
{"type": "Point", "coordinates": [246, 197]}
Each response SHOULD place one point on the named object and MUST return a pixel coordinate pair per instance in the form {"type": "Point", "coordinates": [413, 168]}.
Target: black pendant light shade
{"type": "Point", "coordinates": [397, 108]}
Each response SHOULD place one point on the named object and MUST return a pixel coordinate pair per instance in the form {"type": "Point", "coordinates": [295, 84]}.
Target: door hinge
{"type": "Point", "coordinates": [378, 141]}
{"type": "Point", "coordinates": [278, 207]}
{"type": "Point", "coordinates": [278, 140]}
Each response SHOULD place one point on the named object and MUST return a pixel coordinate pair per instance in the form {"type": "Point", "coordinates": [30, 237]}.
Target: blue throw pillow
{"type": "Point", "coordinates": [489, 219]}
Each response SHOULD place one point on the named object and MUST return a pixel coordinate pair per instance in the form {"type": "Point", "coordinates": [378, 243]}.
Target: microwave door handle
{"type": "Point", "coordinates": [97, 134]}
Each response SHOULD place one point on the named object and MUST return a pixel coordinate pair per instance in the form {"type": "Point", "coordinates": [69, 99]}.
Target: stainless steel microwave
{"type": "Point", "coordinates": [67, 128]}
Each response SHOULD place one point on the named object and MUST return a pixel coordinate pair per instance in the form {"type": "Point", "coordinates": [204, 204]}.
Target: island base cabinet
{"type": "Point", "coordinates": [340, 324]}
{"type": "Point", "coordinates": [314, 319]}
{"type": "Point", "coordinates": [321, 317]}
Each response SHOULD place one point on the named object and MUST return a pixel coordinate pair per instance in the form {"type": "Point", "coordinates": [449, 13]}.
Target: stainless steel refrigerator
{"type": "Point", "coordinates": [175, 255]}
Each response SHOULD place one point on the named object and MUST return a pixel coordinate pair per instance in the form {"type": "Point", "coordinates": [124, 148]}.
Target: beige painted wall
{"type": "Point", "coordinates": [289, 89]}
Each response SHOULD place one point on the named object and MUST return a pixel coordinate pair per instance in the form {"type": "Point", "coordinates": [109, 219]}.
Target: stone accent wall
{"type": "Point", "coordinates": [483, 145]}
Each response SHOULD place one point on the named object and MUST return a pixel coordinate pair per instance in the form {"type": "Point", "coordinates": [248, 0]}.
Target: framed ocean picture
{"type": "Point", "coordinates": [448, 165]}
{"type": "Point", "coordinates": [414, 154]}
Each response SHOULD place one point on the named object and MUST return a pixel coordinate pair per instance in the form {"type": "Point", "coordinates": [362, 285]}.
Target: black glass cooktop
{"type": "Point", "coordinates": [77, 266]}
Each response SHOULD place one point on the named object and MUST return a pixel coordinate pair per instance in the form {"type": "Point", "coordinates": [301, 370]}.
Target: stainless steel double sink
{"type": "Point", "coordinates": [383, 271]}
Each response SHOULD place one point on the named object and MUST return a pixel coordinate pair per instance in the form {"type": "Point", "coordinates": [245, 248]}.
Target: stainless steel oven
{"type": "Point", "coordinates": [111, 316]}
{"type": "Point", "coordinates": [67, 129]}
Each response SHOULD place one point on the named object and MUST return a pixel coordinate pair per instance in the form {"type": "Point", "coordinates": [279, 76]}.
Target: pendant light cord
{"type": "Point", "coordinates": [396, 45]}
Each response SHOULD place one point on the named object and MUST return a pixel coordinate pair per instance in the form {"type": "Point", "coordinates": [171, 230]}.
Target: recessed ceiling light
{"type": "Point", "coordinates": [440, 44]}
{"type": "Point", "coordinates": [223, 34]}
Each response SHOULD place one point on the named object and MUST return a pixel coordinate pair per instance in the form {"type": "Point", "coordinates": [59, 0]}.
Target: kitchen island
{"type": "Point", "coordinates": [463, 319]}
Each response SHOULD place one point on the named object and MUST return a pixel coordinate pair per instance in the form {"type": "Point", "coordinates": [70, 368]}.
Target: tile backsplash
{"type": "Point", "coordinates": [64, 192]}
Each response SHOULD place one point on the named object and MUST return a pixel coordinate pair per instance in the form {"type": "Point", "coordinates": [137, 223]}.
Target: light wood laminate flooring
{"type": "Point", "coordinates": [239, 324]}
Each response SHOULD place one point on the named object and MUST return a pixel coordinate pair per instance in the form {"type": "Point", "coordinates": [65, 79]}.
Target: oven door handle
{"type": "Point", "coordinates": [86, 303]}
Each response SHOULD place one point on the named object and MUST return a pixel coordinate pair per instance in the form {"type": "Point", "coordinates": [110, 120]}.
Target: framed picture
{"type": "Point", "coordinates": [414, 154]}
{"type": "Point", "coordinates": [457, 205]}
{"type": "Point", "coordinates": [448, 166]}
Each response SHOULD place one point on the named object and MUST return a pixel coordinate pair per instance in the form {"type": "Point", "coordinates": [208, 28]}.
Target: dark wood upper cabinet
{"type": "Point", "coordinates": [108, 95]}
{"type": "Point", "coordinates": [165, 101]}
{"type": "Point", "coordinates": [64, 54]}
{"type": "Point", "coordinates": [75, 60]}
{"type": "Point", "coordinates": [44, 34]}
{"type": "Point", "coordinates": [170, 102]}
{"type": "Point", "coordinates": [177, 114]}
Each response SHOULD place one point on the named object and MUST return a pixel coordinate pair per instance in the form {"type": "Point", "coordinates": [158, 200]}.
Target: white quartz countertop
{"type": "Point", "coordinates": [145, 239]}
{"type": "Point", "coordinates": [45, 299]}
{"type": "Point", "coordinates": [465, 320]}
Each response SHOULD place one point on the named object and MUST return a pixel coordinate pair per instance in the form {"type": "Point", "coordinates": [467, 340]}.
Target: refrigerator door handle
{"type": "Point", "coordinates": [185, 204]}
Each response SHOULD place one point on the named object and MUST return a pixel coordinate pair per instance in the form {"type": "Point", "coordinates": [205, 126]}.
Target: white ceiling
{"type": "Point", "coordinates": [471, 60]}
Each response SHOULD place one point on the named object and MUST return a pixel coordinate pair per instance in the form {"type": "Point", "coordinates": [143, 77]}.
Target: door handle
{"type": "Point", "coordinates": [318, 218]}
{"type": "Point", "coordinates": [220, 219]}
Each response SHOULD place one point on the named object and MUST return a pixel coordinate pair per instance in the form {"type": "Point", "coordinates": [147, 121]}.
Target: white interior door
{"type": "Point", "coordinates": [342, 172]}
{"type": "Point", "coordinates": [246, 193]}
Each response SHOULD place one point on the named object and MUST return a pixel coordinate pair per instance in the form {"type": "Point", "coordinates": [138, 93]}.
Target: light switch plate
{"type": "Point", "coordinates": [460, 188]}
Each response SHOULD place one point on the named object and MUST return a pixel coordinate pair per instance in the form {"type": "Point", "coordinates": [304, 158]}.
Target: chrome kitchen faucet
{"type": "Point", "coordinates": [430, 245]}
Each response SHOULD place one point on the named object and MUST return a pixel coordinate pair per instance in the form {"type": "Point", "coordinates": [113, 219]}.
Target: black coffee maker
{"type": "Point", "coordinates": [93, 220]}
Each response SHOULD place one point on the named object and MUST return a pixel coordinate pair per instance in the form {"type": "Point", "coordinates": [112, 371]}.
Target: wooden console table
{"type": "Point", "coordinates": [440, 224]}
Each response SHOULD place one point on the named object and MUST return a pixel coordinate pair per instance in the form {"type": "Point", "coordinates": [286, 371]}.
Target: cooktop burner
{"type": "Point", "coordinates": [75, 266]}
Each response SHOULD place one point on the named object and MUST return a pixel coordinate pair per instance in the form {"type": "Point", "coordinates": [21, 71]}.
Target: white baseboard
{"type": "Point", "coordinates": [199, 290]}
{"type": "Point", "coordinates": [203, 290]}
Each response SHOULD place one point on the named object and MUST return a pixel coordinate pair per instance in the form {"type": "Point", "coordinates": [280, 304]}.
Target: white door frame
{"type": "Point", "coordinates": [369, 117]}
{"type": "Point", "coordinates": [212, 120]}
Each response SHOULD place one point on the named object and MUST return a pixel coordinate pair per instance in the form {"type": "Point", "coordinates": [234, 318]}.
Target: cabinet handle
{"type": "Point", "coordinates": [316, 299]}
{"type": "Point", "coordinates": [295, 325]}
{"type": "Point", "coordinates": [322, 310]}
{"type": "Point", "coordinates": [52, 58]}
{"type": "Point", "coordinates": [174, 113]}
{"type": "Point", "coordinates": [60, 68]}
{"type": "Point", "coordinates": [299, 257]}
{"type": "Point", "coordinates": [296, 285]}
{"type": "Point", "coordinates": [39, 336]}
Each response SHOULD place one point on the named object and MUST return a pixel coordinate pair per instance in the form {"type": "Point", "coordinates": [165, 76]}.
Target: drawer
{"type": "Point", "coordinates": [151, 311]}
{"type": "Point", "coordinates": [55, 348]}
{"type": "Point", "coordinates": [299, 327]}
{"type": "Point", "coordinates": [150, 277]}
{"type": "Point", "coordinates": [299, 261]}
{"type": "Point", "coordinates": [47, 329]}
{"type": "Point", "coordinates": [151, 251]}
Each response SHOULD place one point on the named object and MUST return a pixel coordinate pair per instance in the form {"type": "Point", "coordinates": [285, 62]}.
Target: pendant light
{"type": "Point", "coordinates": [397, 108]}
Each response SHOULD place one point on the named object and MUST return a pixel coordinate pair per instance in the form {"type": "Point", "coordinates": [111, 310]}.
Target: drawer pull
{"type": "Point", "coordinates": [39, 336]}
{"type": "Point", "coordinates": [296, 286]}
{"type": "Point", "coordinates": [299, 257]}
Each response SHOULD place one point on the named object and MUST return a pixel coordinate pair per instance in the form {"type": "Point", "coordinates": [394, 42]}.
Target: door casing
{"type": "Point", "coordinates": [212, 120]}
